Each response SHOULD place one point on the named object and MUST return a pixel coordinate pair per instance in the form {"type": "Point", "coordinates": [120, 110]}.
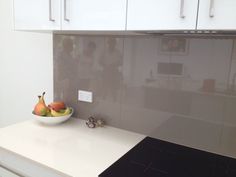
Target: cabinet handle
{"type": "Point", "coordinates": [65, 11]}
{"type": "Point", "coordinates": [181, 9]}
{"type": "Point", "coordinates": [211, 10]}
{"type": "Point", "coordinates": [50, 11]}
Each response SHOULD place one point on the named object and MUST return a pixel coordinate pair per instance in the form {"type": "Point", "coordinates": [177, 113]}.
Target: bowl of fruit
{"type": "Point", "coordinates": [55, 113]}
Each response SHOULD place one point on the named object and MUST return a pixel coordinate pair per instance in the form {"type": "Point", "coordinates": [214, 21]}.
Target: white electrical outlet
{"type": "Point", "coordinates": [85, 96]}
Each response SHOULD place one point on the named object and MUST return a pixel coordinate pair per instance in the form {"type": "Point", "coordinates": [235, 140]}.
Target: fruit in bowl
{"type": "Point", "coordinates": [40, 108]}
{"type": "Point", "coordinates": [55, 113]}
{"type": "Point", "coordinates": [61, 112]}
{"type": "Point", "coordinates": [57, 106]}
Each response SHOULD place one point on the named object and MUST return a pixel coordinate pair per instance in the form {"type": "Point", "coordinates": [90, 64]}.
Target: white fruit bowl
{"type": "Point", "coordinates": [53, 120]}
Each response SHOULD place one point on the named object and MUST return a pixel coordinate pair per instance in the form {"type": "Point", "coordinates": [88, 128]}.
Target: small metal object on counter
{"type": "Point", "coordinates": [93, 123]}
{"type": "Point", "coordinates": [100, 123]}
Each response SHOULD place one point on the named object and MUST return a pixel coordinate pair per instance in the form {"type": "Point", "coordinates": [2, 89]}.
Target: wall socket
{"type": "Point", "coordinates": [85, 96]}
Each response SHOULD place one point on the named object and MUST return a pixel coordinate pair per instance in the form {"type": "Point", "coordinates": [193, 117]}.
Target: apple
{"type": "Point", "coordinates": [57, 105]}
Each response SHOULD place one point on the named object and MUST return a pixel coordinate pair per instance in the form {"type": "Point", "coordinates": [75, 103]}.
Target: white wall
{"type": "Point", "coordinates": [26, 68]}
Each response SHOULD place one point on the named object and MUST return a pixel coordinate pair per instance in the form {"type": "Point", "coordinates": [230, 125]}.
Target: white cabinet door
{"type": "Point", "coordinates": [6, 173]}
{"type": "Point", "coordinates": [37, 14]}
{"type": "Point", "coordinates": [93, 15]}
{"type": "Point", "coordinates": [162, 14]}
{"type": "Point", "coordinates": [217, 15]}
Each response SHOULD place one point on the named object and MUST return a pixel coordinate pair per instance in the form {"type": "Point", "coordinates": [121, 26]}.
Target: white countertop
{"type": "Point", "coordinates": [70, 148]}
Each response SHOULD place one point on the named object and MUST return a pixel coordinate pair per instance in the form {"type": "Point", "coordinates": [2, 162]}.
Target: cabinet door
{"type": "Point", "coordinates": [93, 15]}
{"type": "Point", "coordinates": [6, 173]}
{"type": "Point", "coordinates": [37, 14]}
{"type": "Point", "coordinates": [162, 14]}
{"type": "Point", "coordinates": [217, 15]}
{"type": "Point", "coordinates": [25, 167]}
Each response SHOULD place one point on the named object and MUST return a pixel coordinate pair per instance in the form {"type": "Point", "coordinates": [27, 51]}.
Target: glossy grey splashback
{"type": "Point", "coordinates": [180, 90]}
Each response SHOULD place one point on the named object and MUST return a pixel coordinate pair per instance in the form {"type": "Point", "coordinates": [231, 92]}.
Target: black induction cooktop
{"type": "Point", "coordinates": [156, 158]}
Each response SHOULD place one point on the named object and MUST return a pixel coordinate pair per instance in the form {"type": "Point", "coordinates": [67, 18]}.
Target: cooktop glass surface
{"type": "Point", "coordinates": [157, 158]}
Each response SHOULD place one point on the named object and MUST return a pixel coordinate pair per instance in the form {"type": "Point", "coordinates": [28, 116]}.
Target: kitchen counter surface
{"type": "Point", "coordinates": [70, 148]}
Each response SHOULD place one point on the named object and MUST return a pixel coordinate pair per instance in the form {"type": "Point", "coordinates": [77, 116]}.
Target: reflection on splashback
{"type": "Point", "coordinates": [180, 90]}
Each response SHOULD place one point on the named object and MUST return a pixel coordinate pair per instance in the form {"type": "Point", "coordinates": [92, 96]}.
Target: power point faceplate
{"type": "Point", "coordinates": [85, 96]}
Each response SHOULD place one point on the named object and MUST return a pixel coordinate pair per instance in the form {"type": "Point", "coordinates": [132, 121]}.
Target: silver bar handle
{"type": "Point", "coordinates": [182, 9]}
{"type": "Point", "coordinates": [50, 11]}
{"type": "Point", "coordinates": [65, 11]}
{"type": "Point", "coordinates": [211, 10]}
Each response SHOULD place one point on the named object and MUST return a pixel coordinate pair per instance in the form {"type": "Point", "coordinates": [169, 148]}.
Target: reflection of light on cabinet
{"type": "Point", "coordinates": [234, 51]}
{"type": "Point", "coordinates": [173, 69]}
{"type": "Point", "coordinates": [232, 74]}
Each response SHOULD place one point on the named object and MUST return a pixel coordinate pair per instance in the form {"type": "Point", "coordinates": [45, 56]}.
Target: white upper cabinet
{"type": "Point", "coordinates": [162, 14]}
{"type": "Point", "coordinates": [121, 15]}
{"type": "Point", "coordinates": [93, 15]}
{"type": "Point", "coordinates": [217, 15]}
{"type": "Point", "coordinates": [37, 14]}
